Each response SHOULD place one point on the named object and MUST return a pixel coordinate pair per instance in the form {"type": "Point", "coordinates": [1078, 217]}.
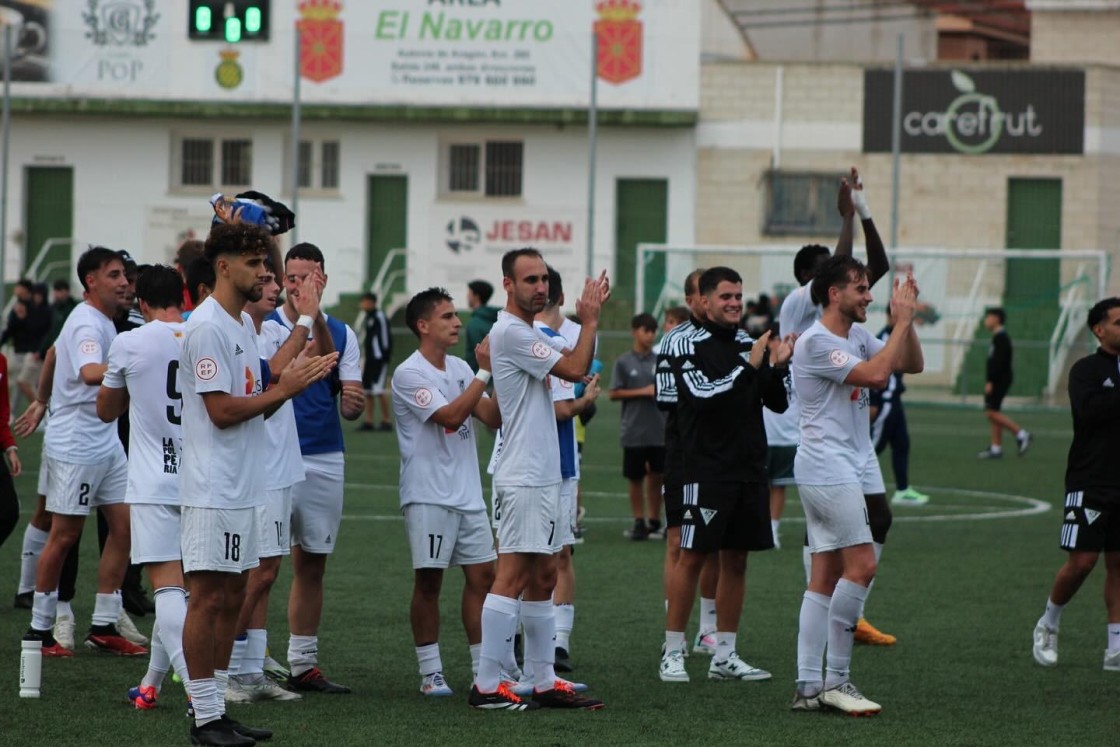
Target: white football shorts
{"type": "Point", "coordinates": [219, 539]}
{"type": "Point", "coordinates": [440, 537]}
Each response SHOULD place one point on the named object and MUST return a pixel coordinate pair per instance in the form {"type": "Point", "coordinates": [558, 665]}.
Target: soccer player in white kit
{"type": "Point", "coordinates": [283, 469]}
{"type": "Point", "coordinates": [434, 395]}
{"type": "Point", "coordinates": [85, 461]}
{"type": "Point", "coordinates": [142, 383]}
{"type": "Point", "coordinates": [224, 406]}
{"type": "Point", "coordinates": [527, 484]}
{"type": "Point", "coordinates": [835, 362]}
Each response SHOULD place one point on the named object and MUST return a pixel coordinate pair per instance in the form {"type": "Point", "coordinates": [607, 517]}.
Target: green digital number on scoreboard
{"type": "Point", "coordinates": [230, 21]}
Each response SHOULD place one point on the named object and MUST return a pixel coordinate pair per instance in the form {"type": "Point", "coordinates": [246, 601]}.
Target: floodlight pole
{"type": "Point", "coordinates": [295, 135]}
{"type": "Point", "coordinates": [592, 141]}
{"type": "Point", "coordinates": [896, 141]}
{"type": "Point", "coordinates": [6, 126]}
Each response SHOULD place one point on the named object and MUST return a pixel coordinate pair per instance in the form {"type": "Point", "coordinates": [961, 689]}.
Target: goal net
{"type": "Point", "coordinates": [1045, 293]}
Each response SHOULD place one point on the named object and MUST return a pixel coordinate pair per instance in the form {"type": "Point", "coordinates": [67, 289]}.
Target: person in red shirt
{"type": "Point", "coordinates": [10, 467]}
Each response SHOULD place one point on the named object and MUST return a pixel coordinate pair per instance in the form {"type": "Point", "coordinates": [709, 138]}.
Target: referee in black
{"type": "Point", "coordinates": [1092, 506]}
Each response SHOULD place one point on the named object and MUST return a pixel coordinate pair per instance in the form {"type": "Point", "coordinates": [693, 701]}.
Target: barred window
{"type": "Point", "coordinates": [490, 168]}
{"type": "Point", "coordinates": [304, 174]}
{"type": "Point", "coordinates": [212, 162]}
{"type": "Point", "coordinates": [237, 162]}
{"type": "Point", "coordinates": [464, 168]}
{"type": "Point", "coordinates": [197, 164]}
{"type": "Point", "coordinates": [318, 164]}
{"type": "Point", "coordinates": [503, 168]}
{"type": "Point", "coordinates": [328, 168]}
{"type": "Point", "coordinates": [801, 204]}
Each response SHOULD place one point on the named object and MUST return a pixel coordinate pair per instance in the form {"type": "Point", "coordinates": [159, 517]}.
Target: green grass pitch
{"type": "Point", "coordinates": [962, 593]}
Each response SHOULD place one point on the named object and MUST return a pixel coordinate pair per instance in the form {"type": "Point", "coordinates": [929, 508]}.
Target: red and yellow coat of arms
{"type": "Point", "coordinates": [620, 40]}
{"type": "Point", "coordinates": [320, 39]}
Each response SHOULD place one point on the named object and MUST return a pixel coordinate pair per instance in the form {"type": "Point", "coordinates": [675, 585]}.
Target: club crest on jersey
{"type": "Point", "coordinates": [839, 358]}
{"type": "Point", "coordinates": [541, 350]}
{"type": "Point", "coordinates": [423, 397]}
{"type": "Point", "coordinates": [89, 347]}
{"type": "Point", "coordinates": [206, 369]}
{"type": "Point", "coordinates": [707, 514]}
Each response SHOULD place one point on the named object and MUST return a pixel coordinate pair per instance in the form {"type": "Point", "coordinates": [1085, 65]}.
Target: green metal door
{"type": "Point", "coordinates": [641, 215]}
{"type": "Point", "coordinates": [387, 208]}
{"type": "Point", "coordinates": [1031, 295]}
{"type": "Point", "coordinates": [49, 214]}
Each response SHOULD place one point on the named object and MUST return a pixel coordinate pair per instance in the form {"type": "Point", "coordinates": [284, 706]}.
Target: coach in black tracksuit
{"type": "Point", "coordinates": [722, 381]}
{"type": "Point", "coordinates": [1091, 523]}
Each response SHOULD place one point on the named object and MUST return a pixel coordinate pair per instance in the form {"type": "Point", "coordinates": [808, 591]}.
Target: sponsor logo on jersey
{"type": "Point", "coordinates": [423, 397]}
{"type": "Point", "coordinates": [839, 358]}
{"type": "Point", "coordinates": [541, 350]}
{"type": "Point", "coordinates": [206, 369]}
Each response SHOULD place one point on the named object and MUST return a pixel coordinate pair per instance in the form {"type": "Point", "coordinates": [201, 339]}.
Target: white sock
{"type": "Point", "coordinates": [725, 645]}
{"type": "Point", "coordinates": [159, 662]}
{"type": "Point", "coordinates": [565, 619]}
{"type": "Point", "coordinates": [1021, 434]}
{"type": "Point", "coordinates": [843, 612]}
{"type": "Point", "coordinates": [499, 623]}
{"type": "Point", "coordinates": [807, 560]}
{"type": "Point", "coordinates": [107, 608]}
{"type": "Point", "coordinates": [171, 612]}
{"type": "Point", "coordinates": [812, 636]}
{"type": "Point", "coordinates": [996, 449]}
{"type": "Point", "coordinates": [1052, 617]}
{"type": "Point", "coordinates": [1113, 636]}
{"type": "Point", "coordinates": [539, 621]}
{"type": "Point", "coordinates": [476, 653]}
{"type": "Point", "coordinates": [674, 640]}
{"type": "Point", "coordinates": [303, 653]}
{"type": "Point", "coordinates": [64, 609]}
{"type": "Point", "coordinates": [43, 609]}
{"type": "Point", "coordinates": [253, 662]}
{"type": "Point", "coordinates": [204, 699]}
{"type": "Point", "coordinates": [428, 658]}
{"type": "Point", "coordinates": [237, 655]}
{"type": "Point", "coordinates": [707, 615]}
{"type": "Point", "coordinates": [34, 540]}
{"type": "Point", "coordinates": [221, 682]}
{"type": "Point", "coordinates": [774, 524]}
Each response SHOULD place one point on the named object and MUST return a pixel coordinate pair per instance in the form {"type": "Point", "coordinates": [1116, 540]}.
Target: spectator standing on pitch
{"type": "Point", "coordinates": [10, 465]}
{"type": "Point", "coordinates": [224, 406]}
{"type": "Point", "coordinates": [377, 347]}
{"type": "Point", "coordinates": [317, 501]}
{"type": "Point", "coordinates": [29, 322]}
{"type": "Point", "coordinates": [434, 397]}
{"type": "Point", "coordinates": [782, 435]}
{"type": "Point", "coordinates": [888, 428]}
{"type": "Point", "coordinates": [836, 362]}
{"type": "Point", "coordinates": [527, 481]}
{"type": "Point", "coordinates": [997, 382]}
{"type": "Point", "coordinates": [1092, 505]}
{"type": "Point", "coordinates": [722, 378]}
{"type": "Point", "coordinates": [642, 432]}
{"type": "Point", "coordinates": [483, 316]}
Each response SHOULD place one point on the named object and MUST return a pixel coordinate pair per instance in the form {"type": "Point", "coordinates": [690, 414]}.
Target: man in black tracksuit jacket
{"type": "Point", "coordinates": [1091, 523]}
{"type": "Point", "coordinates": [722, 380]}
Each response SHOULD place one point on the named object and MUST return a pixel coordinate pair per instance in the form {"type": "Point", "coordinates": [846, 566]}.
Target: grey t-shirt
{"type": "Point", "coordinates": [643, 423]}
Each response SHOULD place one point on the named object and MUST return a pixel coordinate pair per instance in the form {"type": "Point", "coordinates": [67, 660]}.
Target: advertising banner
{"type": "Point", "coordinates": [977, 111]}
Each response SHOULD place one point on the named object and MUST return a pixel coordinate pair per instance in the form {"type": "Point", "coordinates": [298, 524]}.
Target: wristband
{"type": "Point", "coordinates": [304, 321]}
{"type": "Point", "coordinates": [859, 202]}
{"type": "Point", "coordinates": [483, 375]}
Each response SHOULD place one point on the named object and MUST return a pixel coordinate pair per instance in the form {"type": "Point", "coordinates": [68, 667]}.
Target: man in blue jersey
{"type": "Point", "coordinates": [317, 501]}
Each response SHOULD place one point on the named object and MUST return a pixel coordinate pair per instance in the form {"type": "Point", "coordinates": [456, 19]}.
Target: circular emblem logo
{"type": "Point", "coordinates": [88, 347]}
{"type": "Point", "coordinates": [839, 358]}
{"type": "Point", "coordinates": [463, 235]}
{"type": "Point", "coordinates": [541, 350]}
{"type": "Point", "coordinates": [206, 369]}
{"type": "Point", "coordinates": [423, 397]}
{"type": "Point", "coordinates": [565, 384]}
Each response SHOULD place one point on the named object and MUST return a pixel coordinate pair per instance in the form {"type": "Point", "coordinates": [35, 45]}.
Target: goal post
{"type": "Point", "coordinates": [1046, 294]}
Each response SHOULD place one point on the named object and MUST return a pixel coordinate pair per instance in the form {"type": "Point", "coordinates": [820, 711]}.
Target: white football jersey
{"type": "Point", "coordinates": [522, 360]}
{"type": "Point", "coordinates": [74, 432]}
{"type": "Point", "coordinates": [783, 429]}
{"type": "Point", "coordinates": [146, 362]}
{"type": "Point", "coordinates": [284, 464]}
{"type": "Point", "coordinates": [798, 312]}
{"type": "Point", "coordinates": [438, 465]}
{"type": "Point", "coordinates": [835, 431]}
{"type": "Point", "coordinates": [222, 467]}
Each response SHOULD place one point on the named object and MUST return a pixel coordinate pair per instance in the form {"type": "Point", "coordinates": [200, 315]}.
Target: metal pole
{"type": "Point", "coordinates": [295, 136]}
{"type": "Point", "coordinates": [6, 126]}
{"type": "Point", "coordinates": [592, 141]}
{"type": "Point", "coordinates": [896, 142]}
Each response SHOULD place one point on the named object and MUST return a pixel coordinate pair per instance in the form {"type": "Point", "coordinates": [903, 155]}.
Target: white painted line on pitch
{"type": "Point", "coordinates": [1030, 507]}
